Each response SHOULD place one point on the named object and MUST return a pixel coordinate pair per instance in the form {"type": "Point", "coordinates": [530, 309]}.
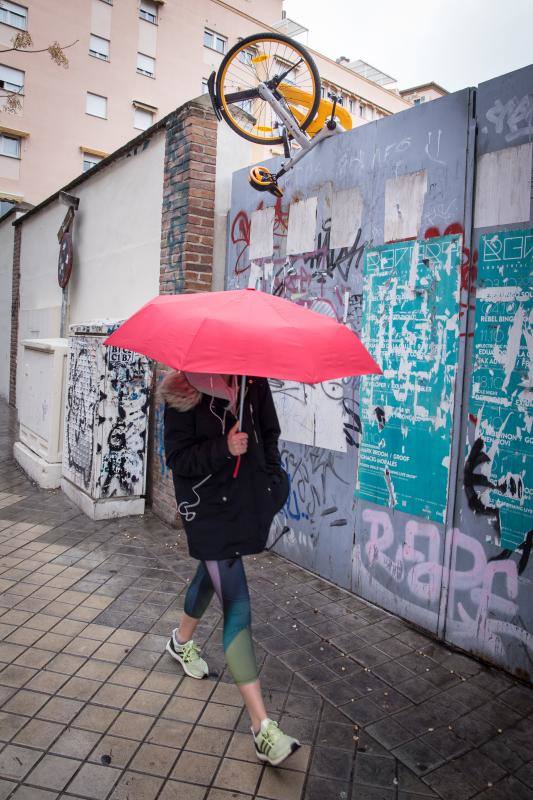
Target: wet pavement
{"type": "Point", "coordinates": [92, 706]}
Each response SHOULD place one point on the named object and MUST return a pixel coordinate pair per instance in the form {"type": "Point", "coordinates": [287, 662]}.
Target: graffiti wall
{"type": "Point", "coordinates": [106, 418]}
{"type": "Point", "coordinates": [489, 609]}
{"type": "Point", "coordinates": [411, 325]}
{"type": "Point", "coordinates": [412, 489]}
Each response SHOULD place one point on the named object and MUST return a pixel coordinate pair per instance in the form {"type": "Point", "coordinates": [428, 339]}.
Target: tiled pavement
{"type": "Point", "coordinates": [93, 708]}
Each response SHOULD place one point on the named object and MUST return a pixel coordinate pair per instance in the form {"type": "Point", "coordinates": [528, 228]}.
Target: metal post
{"type": "Point", "coordinates": [64, 312]}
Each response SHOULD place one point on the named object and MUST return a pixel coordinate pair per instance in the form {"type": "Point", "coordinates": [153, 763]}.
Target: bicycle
{"type": "Point", "coordinates": [268, 90]}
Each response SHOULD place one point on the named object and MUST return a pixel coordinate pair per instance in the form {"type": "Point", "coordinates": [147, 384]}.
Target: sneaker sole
{"type": "Point", "coordinates": [176, 657]}
{"type": "Point", "coordinates": [266, 760]}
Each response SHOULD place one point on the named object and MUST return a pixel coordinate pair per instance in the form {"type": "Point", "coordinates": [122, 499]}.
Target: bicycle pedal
{"type": "Point", "coordinates": [261, 179]}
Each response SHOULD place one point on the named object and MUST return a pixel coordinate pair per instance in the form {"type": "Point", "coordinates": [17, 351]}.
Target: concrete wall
{"type": "Point", "coordinates": [117, 240]}
{"type": "Point", "coordinates": [375, 229]}
{"type": "Point", "coordinates": [7, 238]}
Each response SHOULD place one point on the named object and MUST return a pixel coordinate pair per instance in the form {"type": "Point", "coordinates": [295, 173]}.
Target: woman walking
{"type": "Point", "coordinates": [229, 484]}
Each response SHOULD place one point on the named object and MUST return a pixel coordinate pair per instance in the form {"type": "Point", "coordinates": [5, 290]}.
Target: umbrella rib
{"type": "Point", "coordinates": [280, 312]}
{"type": "Point", "coordinates": [200, 326]}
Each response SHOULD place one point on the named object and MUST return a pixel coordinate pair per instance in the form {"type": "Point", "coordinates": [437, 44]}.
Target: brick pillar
{"type": "Point", "coordinates": [15, 304]}
{"type": "Point", "coordinates": [187, 236]}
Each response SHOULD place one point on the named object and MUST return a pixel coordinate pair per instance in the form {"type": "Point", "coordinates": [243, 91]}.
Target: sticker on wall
{"type": "Point", "coordinates": [404, 203]}
{"type": "Point", "coordinates": [262, 233]}
{"type": "Point", "coordinates": [499, 463]}
{"type": "Point", "coordinates": [411, 327]}
{"type": "Point", "coordinates": [503, 186]}
{"type": "Point", "coordinates": [302, 226]}
{"type": "Point", "coordinates": [255, 276]}
{"type": "Point", "coordinates": [312, 415]}
{"type": "Point", "coordinates": [346, 216]}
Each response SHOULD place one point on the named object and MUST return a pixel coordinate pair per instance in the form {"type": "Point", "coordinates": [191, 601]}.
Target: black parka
{"type": "Point", "coordinates": [223, 516]}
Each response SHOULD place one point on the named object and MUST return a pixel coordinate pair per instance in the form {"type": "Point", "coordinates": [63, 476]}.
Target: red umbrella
{"type": "Point", "coordinates": [244, 332]}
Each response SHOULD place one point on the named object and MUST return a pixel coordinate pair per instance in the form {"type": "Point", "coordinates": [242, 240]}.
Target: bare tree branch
{"type": "Point", "coordinates": [23, 42]}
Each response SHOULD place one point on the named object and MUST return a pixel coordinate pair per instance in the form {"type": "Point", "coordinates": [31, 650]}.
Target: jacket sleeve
{"type": "Point", "coordinates": [270, 429]}
{"type": "Point", "coordinates": [185, 455]}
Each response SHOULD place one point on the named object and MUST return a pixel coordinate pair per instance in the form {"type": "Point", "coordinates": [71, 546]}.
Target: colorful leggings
{"type": "Point", "coordinates": [228, 579]}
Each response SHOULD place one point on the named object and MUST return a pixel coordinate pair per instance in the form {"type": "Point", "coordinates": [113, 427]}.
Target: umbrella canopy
{"type": "Point", "coordinates": [244, 332]}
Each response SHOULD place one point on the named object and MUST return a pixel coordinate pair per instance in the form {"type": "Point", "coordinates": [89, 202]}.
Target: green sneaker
{"type": "Point", "coordinates": [272, 745]}
{"type": "Point", "coordinates": [188, 655]}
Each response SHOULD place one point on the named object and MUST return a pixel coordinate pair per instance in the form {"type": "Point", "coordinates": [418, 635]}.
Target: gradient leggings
{"type": "Point", "coordinates": [228, 579]}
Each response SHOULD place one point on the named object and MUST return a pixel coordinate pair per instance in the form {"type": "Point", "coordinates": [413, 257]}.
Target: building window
{"type": "Point", "coordinates": [215, 41]}
{"type": "Point", "coordinates": [281, 66]}
{"type": "Point", "coordinates": [148, 11]}
{"type": "Point", "coordinates": [98, 47]}
{"type": "Point", "coordinates": [142, 118]}
{"type": "Point", "coordinates": [351, 105]}
{"type": "Point", "coordinates": [11, 79]}
{"type": "Point", "coordinates": [416, 101]}
{"type": "Point", "coordinates": [9, 146]}
{"type": "Point", "coordinates": [246, 56]}
{"type": "Point", "coordinates": [145, 65]}
{"type": "Point", "coordinates": [90, 160]}
{"type": "Point", "coordinates": [5, 206]}
{"type": "Point", "coordinates": [323, 92]}
{"type": "Point", "coordinates": [205, 87]}
{"type": "Point", "coordinates": [14, 15]}
{"type": "Point", "coordinates": [96, 105]}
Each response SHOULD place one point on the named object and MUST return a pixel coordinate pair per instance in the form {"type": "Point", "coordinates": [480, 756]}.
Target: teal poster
{"type": "Point", "coordinates": [411, 327]}
{"type": "Point", "coordinates": [502, 380]}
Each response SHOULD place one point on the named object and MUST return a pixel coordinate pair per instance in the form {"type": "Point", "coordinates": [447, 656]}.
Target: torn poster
{"type": "Point", "coordinates": [411, 327]}
{"type": "Point", "coordinates": [502, 380]}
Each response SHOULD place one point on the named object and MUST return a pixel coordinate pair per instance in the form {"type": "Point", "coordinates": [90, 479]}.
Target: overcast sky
{"type": "Point", "coordinates": [456, 43]}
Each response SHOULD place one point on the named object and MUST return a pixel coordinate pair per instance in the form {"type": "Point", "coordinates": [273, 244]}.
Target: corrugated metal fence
{"type": "Point", "coordinates": [414, 490]}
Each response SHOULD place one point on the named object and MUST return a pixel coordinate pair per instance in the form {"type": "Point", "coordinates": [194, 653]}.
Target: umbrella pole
{"type": "Point", "coordinates": [241, 410]}
{"type": "Point", "coordinates": [241, 415]}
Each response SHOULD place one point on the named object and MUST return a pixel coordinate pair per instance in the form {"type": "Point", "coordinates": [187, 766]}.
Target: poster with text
{"type": "Point", "coordinates": [411, 327]}
{"type": "Point", "coordinates": [502, 392]}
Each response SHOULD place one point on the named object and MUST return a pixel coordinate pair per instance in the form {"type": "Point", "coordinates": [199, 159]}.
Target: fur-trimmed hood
{"type": "Point", "coordinates": [177, 392]}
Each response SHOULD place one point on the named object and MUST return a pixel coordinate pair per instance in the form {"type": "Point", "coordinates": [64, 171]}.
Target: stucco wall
{"type": "Point", "coordinates": [6, 266]}
{"type": "Point", "coordinates": [117, 240]}
{"type": "Point", "coordinates": [233, 153]}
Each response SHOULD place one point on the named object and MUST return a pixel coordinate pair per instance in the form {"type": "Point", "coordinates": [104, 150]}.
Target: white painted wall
{"type": "Point", "coordinates": [117, 239]}
{"type": "Point", "coordinates": [118, 236]}
{"type": "Point", "coordinates": [6, 265]}
{"type": "Point", "coordinates": [233, 153]}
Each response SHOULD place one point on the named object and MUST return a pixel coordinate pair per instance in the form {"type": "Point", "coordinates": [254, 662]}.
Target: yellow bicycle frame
{"type": "Point", "coordinates": [294, 95]}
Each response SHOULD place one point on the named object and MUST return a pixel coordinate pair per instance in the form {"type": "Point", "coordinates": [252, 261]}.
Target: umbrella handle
{"type": "Point", "coordinates": [241, 415]}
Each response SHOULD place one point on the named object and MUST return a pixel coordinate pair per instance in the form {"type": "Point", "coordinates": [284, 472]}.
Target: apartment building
{"type": "Point", "coordinates": [130, 63]}
{"type": "Point", "coordinates": [423, 93]}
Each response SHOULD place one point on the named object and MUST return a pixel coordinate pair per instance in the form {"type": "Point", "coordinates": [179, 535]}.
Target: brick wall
{"type": "Point", "coordinates": [15, 303]}
{"type": "Point", "coordinates": [187, 234]}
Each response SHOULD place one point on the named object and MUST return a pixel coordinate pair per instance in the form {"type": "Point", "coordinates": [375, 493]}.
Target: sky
{"type": "Point", "coordinates": [456, 43]}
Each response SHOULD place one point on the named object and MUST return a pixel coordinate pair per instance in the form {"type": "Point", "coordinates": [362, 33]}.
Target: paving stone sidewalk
{"type": "Point", "coordinates": [93, 708]}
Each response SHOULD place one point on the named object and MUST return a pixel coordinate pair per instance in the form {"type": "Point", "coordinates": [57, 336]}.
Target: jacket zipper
{"type": "Point", "coordinates": [253, 422]}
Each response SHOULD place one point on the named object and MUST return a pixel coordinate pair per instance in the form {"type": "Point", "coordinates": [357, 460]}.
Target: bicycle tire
{"type": "Point", "coordinates": [228, 58]}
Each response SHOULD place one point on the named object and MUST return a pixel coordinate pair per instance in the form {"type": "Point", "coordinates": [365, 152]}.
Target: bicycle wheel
{"type": "Point", "coordinates": [285, 67]}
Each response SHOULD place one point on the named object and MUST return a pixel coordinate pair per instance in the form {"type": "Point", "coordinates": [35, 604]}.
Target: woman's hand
{"type": "Point", "coordinates": [237, 442]}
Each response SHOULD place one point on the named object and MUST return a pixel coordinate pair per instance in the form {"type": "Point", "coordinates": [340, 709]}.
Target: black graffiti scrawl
{"type": "Point", "coordinates": [122, 419]}
{"type": "Point", "coordinates": [82, 395]}
{"type": "Point", "coordinates": [106, 416]}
